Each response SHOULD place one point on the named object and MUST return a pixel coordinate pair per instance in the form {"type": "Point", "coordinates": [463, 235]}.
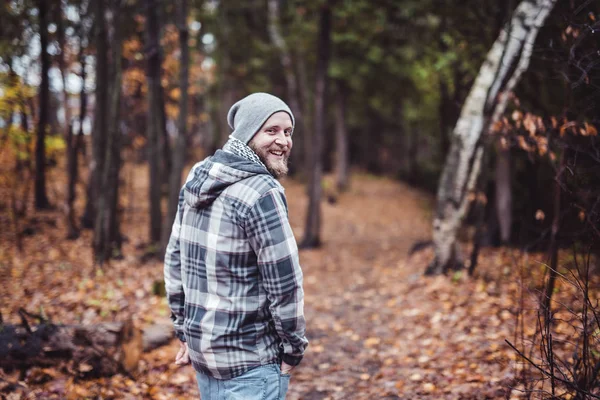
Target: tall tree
{"type": "Point", "coordinates": [227, 87]}
{"type": "Point", "coordinates": [505, 63]}
{"type": "Point", "coordinates": [503, 193]}
{"type": "Point", "coordinates": [342, 165]}
{"type": "Point", "coordinates": [107, 237]}
{"type": "Point", "coordinates": [41, 198]}
{"type": "Point", "coordinates": [312, 233]}
{"type": "Point", "coordinates": [156, 124]}
{"type": "Point", "coordinates": [74, 143]}
{"type": "Point", "coordinates": [180, 143]}
{"type": "Point", "coordinates": [100, 128]}
{"type": "Point", "coordinates": [290, 77]}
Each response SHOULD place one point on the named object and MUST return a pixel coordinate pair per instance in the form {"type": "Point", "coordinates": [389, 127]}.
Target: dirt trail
{"type": "Point", "coordinates": [378, 328]}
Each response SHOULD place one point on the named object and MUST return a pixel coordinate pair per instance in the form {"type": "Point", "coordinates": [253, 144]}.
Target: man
{"type": "Point", "coordinates": [232, 274]}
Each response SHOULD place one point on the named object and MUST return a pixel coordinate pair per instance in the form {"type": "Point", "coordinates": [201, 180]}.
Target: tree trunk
{"type": "Point", "coordinates": [107, 237]}
{"type": "Point", "coordinates": [73, 155]}
{"type": "Point", "coordinates": [62, 65]}
{"type": "Point", "coordinates": [72, 231]}
{"type": "Point", "coordinates": [290, 80]}
{"type": "Point", "coordinates": [446, 106]}
{"type": "Point", "coordinates": [480, 207]}
{"type": "Point", "coordinates": [553, 247]}
{"type": "Point", "coordinates": [444, 110]}
{"type": "Point", "coordinates": [99, 133]}
{"type": "Point", "coordinates": [305, 100]}
{"type": "Point", "coordinates": [413, 153]}
{"type": "Point", "coordinates": [504, 194]}
{"type": "Point", "coordinates": [313, 218]}
{"type": "Point", "coordinates": [25, 166]}
{"type": "Point", "coordinates": [72, 148]}
{"type": "Point", "coordinates": [19, 198]}
{"type": "Point", "coordinates": [342, 167]}
{"type": "Point", "coordinates": [180, 144]}
{"type": "Point", "coordinates": [156, 127]}
{"type": "Point", "coordinates": [41, 198]}
{"type": "Point", "coordinates": [505, 63]}
{"type": "Point", "coordinates": [226, 94]}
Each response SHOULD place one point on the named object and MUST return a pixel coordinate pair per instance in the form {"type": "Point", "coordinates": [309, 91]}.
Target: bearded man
{"type": "Point", "coordinates": [232, 272]}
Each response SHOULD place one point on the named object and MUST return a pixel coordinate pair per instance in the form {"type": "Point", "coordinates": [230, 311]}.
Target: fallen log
{"type": "Point", "coordinates": [85, 350]}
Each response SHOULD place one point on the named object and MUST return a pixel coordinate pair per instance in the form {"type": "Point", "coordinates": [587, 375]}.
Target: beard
{"type": "Point", "coordinates": [276, 167]}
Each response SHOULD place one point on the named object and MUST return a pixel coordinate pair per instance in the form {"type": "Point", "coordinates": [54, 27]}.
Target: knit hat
{"type": "Point", "coordinates": [250, 113]}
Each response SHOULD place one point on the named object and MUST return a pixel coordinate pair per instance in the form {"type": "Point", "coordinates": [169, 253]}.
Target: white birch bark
{"type": "Point", "coordinates": [484, 105]}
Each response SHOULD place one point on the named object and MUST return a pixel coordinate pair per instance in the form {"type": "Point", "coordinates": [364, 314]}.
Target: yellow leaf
{"type": "Point", "coordinates": [316, 349]}
{"type": "Point", "coordinates": [416, 377]}
{"type": "Point", "coordinates": [372, 342]}
{"type": "Point", "coordinates": [178, 379]}
{"type": "Point", "coordinates": [429, 387]}
{"type": "Point", "coordinates": [83, 367]}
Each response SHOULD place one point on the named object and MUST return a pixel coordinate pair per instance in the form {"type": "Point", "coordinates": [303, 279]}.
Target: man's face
{"type": "Point", "coordinates": [273, 143]}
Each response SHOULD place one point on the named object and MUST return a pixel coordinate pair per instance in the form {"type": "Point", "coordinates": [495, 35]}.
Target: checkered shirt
{"type": "Point", "coordinates": [232, 272]}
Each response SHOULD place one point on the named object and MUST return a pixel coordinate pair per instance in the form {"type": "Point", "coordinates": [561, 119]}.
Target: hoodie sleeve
{"type": "Point", "coordinates": [272, 239]}
{"type": "Point", "coordinates": [172, 273]}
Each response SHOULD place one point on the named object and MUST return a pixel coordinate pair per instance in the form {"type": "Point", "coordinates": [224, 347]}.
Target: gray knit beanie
{"type": "Point", "coordinates": [250, 113]}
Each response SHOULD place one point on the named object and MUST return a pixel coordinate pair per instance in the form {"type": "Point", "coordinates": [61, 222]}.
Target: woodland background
{"type": "Point", "coordinates": [444, 189]}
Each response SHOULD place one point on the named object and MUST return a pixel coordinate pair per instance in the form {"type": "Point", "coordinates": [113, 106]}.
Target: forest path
{"type": "Point", "coordinates": [379, 329]}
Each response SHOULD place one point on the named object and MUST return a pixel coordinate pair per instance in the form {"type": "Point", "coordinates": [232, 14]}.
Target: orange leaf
{"type": "Point", "coordinates": [591, 129]}
{"type": "Point", "coordinates": [539, 215]}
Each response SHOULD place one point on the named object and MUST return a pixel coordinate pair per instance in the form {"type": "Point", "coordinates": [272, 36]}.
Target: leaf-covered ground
{"type": "Point", "coordinates": [377, 328]}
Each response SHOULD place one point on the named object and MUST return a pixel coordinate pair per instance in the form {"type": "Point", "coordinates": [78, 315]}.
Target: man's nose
{"type": "Point", "coordinates": [281, 139]}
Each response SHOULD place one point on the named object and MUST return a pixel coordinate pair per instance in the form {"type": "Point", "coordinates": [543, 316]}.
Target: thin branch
{"type": "Point", "coordinates": [543, 371]}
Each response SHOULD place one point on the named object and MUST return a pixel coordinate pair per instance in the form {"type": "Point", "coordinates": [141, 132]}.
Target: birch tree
{"type": "Point", "coordinates": [501, 71]}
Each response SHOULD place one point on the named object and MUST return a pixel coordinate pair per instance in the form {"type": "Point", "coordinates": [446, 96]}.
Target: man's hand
{"type": "Point", "coordinates": [183, 356]}
{"type": "Point", "coordinates": [286, 369]}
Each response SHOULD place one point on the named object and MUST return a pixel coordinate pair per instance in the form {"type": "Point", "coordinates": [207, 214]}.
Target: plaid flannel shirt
{"type": "Point", "coordinates": [232, 271]}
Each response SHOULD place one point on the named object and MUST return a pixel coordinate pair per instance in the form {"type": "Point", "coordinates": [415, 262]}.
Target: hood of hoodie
{"type": "Point", "coordinates": [209, 178]}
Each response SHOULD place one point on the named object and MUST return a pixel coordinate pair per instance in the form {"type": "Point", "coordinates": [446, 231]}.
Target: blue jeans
{"type": "Point", "coordinates": [261, 383]}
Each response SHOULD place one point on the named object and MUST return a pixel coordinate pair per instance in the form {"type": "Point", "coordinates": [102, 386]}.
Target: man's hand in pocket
{"type": "Point", "coordinates": [286, 369]}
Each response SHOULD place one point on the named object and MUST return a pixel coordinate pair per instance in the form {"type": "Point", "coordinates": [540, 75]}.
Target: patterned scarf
{"type": "Point", "coordinates": [239, 148]}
